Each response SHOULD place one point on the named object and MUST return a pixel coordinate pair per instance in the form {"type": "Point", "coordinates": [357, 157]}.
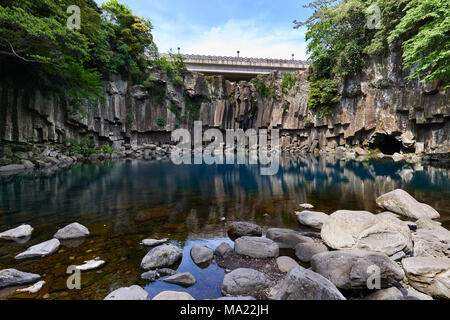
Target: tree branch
{"type": "Point", "coordinates": [14, 54]}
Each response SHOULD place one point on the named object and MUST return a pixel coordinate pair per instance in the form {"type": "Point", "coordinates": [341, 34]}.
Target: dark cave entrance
{"type": "Point", "coordinates": [386, 144]}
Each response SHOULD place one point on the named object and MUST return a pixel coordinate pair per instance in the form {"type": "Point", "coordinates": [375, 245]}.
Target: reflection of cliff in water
{"type": "Point", "coordinates": [159, 197]}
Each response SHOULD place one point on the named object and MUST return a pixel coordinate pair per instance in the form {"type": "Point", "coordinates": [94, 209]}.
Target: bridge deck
{"type": "Point", "coordinates": [237, 68]}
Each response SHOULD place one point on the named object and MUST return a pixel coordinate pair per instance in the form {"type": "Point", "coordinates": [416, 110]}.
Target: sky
{"type": "Point", "coordinates": [257, 28]}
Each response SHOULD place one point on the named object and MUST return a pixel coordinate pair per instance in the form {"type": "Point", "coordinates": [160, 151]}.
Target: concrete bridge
{"type": "Point", "coordinates": [237, 68]}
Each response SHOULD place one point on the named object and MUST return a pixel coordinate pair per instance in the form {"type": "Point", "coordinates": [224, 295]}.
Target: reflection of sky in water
{"type": "Point", "coordinates": [209, 279]}
{"type": "Point", "coordinates": [126, 201]}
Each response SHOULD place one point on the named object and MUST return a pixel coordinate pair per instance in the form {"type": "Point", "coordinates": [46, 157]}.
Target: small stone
{"type": "Point", "coordinates": [128, 293]}
{"type": "Point", "coordinates": [91, 264]}
{"type": "Point", "coordinates": [285, 264]}
{"type": "Point", "coordinates": [350, 269]}
{"type": "Point", "coordinates": [181, 278]}
{"type": "Point", "coordinates": [243, 281]}
{"type": "Point", "coordinates": [22, 231]}
{"type": "Point", "coordinates": [40, 250]}
{"type": "Point", "coordinates": [305, 251]}
{"type": "Point", "coordinates": [223, 249]}
{"type": "Point", "coordinates": [398, 256]}
{"type": "Point", "coordinates": [401, 202]}
{"type": "Point", "coordinates": [173, 295]}
{"type": "Point", "coordinates": [201, 254]}
{"type": "Point", "coordinates": [286, 238]}
{"type": "Point", "coordinates": [161, 256]}
{"type": "Point", "coordinates": [72, 231]}
{"type": "Point", "coordinates": [306, 206]}
{"type": "Point", "coordinates": [394, 293]}
{"type": "Point", "coordinates": [166, 272]}
{"type": "Point", "coordinates": [151, 275]}
{"type": "Point", "coordinates": [303, 284]}
{"type": "Point", "coordinates": [34, 288]}
{"type": "Point", "coordinates": [256, 247]}
{"type": "Point", "coordinates": [240, 229]}
{"type": "Point", "coordinates": [153, 242]}
{"type": "Point", "coordinates": [314, 219]}
{"type": "Point", "coordinates": [13, 277]}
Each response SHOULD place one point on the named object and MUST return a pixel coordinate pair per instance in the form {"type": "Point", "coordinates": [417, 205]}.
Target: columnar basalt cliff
{"type": "Point", "coordinates": [378, 109]}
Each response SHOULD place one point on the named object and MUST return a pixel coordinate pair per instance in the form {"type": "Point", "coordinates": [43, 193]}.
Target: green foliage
{"type": "Point", "coordinates": [289, 80]}
{"type": "Point", "coordinates": [425, 33]}
{"type": "Point", "coordinates": [192, 109]}
{"type": "Point", "coordinates": [307, 122]}
{"type": "Point", "coordinates": [340, 42]}
{"type": "Point", "coordinates": [106, 149]}
{"type": "Point", "coordinates": [156, 89]}
{"type": "Point", "coordinates": [86, 147]}
{"type": "Point", "coordinates": [173, 66]}
{"type": "Point", "coordinates": [260, 86]}
{"type": "Point", "coordinates": [265, 91]}
{"type": "Point", "coordinates": [161, 122]}
{"type": "Point", "coordinates": [323, 96]}
{"type": "Point", "coordinates": [337, 36]}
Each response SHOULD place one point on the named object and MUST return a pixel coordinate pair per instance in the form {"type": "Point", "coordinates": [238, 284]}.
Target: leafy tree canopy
{"type": "Point", "coordinates": [37, 47]}
{"type": "Point", "coordinates": [340, 42]}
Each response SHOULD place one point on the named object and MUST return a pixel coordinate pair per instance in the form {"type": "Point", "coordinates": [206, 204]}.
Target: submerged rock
{"type": "Point", "coordinates": [128, 293]}
{"type": "Point", "coordinates": [161, 256]}
{"type": "Point", "coordinates": [314, 219]}
{"type": "Point", "coordinates": [181, 278]}
{"type": "Point", "coordinates": [34, 288]}
{"type": "Point", "coordinates": [306, 206]}
{"type": "Point", "coordinates": [429, 275]}
{"type": "Point", "coordinates": [91, 264]}
{"type": "Point", "coordinates": [346, 229]}
{"type": "Point", "coordinates": [286, 238]}
{"type": "Point", "coordinates": [22, 231]}
{"type": "Point", "coordinates": [256, 247]}
{"type": "Point", "coordinates": [243, 281]}
{"type": "Point", "coordinates": [240, 229]}
{"type": "Point", "coordinates": [13, 277]}
{"type": "Point", "coordinates": [173, 295]}
{"type": "Point", "coordinates": [304, 284]}
{"type": "Point", "coordinates": [350, 269]}
{"type": "Point", "coordinates": [401, 202]}
{"type": "Point", "coordinates": [40, 250]}
{"type": "Point", "coordinates": [201, 254]}
{"type": "Point", "coordinates": [72, 231]}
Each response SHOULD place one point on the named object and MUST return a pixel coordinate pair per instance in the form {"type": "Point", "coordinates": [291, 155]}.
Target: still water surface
{"type": "Point", "coordinates": [126, 201]}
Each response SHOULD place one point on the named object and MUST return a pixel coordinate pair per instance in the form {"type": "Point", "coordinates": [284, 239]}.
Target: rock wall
{"type": "Point", "coordinates": [377, 108]}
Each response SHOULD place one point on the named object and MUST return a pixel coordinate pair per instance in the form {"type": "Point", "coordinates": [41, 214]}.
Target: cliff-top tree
{"type": "Point", "coordinates": [340, 42]}
{"type": "Point", "coordinates": [39, 50]}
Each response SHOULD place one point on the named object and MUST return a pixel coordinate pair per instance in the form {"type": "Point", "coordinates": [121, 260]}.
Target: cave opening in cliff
{"type": "Point", "coordinates": [386, 144]}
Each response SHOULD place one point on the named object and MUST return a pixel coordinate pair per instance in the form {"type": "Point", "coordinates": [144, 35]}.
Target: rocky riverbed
{"type": "Point", "coordinates": [400, 254]}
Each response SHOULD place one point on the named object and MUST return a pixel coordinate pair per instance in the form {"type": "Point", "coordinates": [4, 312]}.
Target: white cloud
{"type": "Point", "coordinates": [252, 37]}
